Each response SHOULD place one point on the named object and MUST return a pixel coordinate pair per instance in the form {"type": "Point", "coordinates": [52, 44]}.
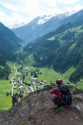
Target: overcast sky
{"type": "Point", "coordinates": [23, 11]}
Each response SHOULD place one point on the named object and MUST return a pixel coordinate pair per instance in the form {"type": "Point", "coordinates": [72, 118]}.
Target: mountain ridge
{"type": "Point", "coordinates": [35, 30]}
{"type": "Point", "coordinates": [33, 26]}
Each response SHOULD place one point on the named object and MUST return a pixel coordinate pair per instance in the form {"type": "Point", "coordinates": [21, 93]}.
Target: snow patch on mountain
{"type": "Point", "coordinates": [44, 19]}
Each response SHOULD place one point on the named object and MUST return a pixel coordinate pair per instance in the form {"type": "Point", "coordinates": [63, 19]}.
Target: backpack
{"type": "Point", "coordinates": [66, 95]}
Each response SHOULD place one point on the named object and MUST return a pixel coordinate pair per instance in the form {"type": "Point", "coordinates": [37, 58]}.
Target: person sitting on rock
{"type": "Point", "coordinates": [55, 93]}
{"type": "Point", "coordinates": [61, 94]}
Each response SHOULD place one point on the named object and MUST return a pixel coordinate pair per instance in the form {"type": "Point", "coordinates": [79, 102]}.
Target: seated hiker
{"type": "Point", "coordinates": [60, 95]}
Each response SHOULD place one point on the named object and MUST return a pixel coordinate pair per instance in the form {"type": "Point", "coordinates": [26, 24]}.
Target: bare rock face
{"type": "Point", "coordinates": [38, 109]}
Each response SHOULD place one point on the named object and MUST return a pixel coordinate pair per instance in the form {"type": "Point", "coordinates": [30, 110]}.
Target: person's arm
{"type": "Point", "coordinates": [51, 94]}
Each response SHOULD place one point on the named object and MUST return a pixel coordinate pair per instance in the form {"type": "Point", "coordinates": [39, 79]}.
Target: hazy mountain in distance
{"type": "Point", "coordinates": [43, 25]}
{"type": "Point", "coordinates": [39, 27]}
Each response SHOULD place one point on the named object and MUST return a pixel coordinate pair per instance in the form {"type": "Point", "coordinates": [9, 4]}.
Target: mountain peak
{"type": "Point", "coordinates": [43, 19]}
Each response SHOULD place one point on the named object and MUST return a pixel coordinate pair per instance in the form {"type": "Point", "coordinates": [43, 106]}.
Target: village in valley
{"type": "Point", "coordinates": [20, 88]}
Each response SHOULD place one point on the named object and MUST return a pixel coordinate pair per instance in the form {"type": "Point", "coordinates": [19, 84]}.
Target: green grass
{"type": "Point", "coordinates": [5, 101]}
{"type": "Point", "coordinates": [47, 75]}
{"type": "Point", "coordinates": [50, 75]}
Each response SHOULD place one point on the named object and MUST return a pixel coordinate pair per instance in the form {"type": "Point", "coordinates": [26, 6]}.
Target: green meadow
{"type": "Point", "coordinates": [5, 101]}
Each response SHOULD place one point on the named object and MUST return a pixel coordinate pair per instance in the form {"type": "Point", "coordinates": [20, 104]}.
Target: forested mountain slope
{"type": "Point", "coordinates": [9, 43]}
{"type": "Point", "coordinates": [60, 51]}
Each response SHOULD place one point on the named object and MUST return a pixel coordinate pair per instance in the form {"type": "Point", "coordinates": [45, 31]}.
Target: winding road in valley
{"type": "Point", "coordinates": [13, 77]}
